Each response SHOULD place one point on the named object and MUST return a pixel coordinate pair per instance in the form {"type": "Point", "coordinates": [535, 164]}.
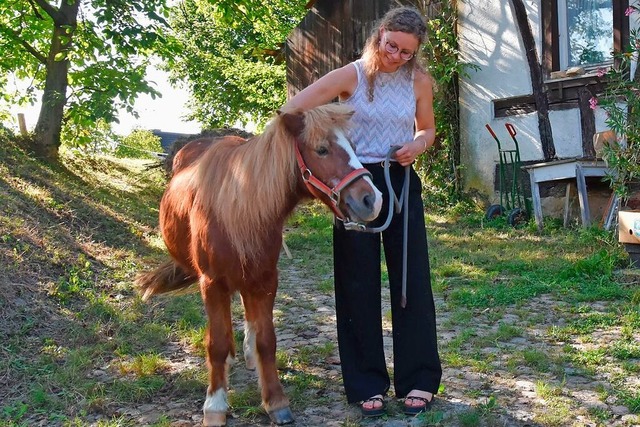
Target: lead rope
{"type": "Point", "coordinates": [397, 202]}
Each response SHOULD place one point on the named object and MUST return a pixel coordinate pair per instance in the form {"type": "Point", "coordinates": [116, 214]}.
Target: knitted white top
{"type": "Point", "coordinates": [388, 120]}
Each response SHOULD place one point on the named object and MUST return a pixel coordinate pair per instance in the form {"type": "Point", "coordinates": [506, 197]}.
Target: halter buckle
{"type": "Point", "coordinates": [335, 197]}
{"type": "Point", "coordinates": [354, 226]}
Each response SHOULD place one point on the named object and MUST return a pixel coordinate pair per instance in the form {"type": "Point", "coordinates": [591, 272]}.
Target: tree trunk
{"type": "Point", "coordinates": [54, 97]}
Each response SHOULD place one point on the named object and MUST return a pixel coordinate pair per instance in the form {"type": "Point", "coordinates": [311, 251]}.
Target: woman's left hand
{"type": "Point", "coordinates": [409, 151]}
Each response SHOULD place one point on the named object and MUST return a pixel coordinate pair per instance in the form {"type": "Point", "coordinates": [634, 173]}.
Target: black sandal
{"type": "Point", "coordinates": [373, 412]}
{"type": "Point", "coordinates": [415, 410]}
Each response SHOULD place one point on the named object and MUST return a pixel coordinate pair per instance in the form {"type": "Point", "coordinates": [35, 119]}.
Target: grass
{"type": "Point", "coordinates": [77, 344]}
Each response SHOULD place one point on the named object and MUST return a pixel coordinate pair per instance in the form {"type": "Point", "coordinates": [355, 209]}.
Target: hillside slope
{"type": "Point", "coordinates": [71, 239]}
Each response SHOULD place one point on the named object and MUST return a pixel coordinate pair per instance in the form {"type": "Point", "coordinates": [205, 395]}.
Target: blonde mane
{"type": "Point", "coordinates": [245, 186]}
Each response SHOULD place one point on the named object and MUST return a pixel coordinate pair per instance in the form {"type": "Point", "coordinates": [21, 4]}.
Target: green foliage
{"type": "Point", "coordinates": [231, 58]}
{"type": "Point", "coordinates": [262, 26]}
{"type": "Point", "coordinates": [140, 144]}
{"type": "Point", "coordinates": [78, 279]}
{"type": "Point", "coordinates": [6, 134]}
{"type": "Point", "coordinates": [15, 412]}
{"type": "Point", "coordinates": [107, 50]}
{"type": "Point", "coordinates": [138, 389]}
{"type": "Point", "coordinates": [536, 359]}
{"type": "Point", "coordinates": [441, 164]}
{"type": "Point", "coordinates": [97, 137]}
{"type": "Point", "coordinates": [621, 101]}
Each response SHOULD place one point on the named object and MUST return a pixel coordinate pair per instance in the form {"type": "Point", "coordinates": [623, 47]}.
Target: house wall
{"type": "Point", "coordinates": [489, 38]}
{"type": "Point", "coordinates": [333, 32]}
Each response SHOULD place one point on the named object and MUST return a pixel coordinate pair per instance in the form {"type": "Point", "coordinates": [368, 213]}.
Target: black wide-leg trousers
{"type": "Point", "coordinates": [357, 275]}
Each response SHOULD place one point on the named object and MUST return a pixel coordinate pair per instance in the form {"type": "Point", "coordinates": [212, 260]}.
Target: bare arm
{"type": "Point", "coordinates": [425, 122]}
{"type": "Point", "coordinates": [340, 82]}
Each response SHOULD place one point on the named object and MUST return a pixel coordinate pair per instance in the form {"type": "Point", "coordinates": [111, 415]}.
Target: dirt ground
{"type": "Point", "coordinates": [308, 319]}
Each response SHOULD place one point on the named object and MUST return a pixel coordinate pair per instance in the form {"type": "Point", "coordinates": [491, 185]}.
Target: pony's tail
{"type": "Point", "coordinates": [169, 277]}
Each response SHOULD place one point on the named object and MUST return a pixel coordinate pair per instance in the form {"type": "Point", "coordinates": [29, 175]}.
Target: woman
{"type": "Point", "coordinates": [393, 101]}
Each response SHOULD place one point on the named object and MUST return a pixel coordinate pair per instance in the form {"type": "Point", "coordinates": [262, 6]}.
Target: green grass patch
{"type": "Point", "coordinates": [76, 339]}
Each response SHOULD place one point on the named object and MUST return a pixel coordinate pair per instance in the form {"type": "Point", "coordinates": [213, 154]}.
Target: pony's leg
{"type": "Point", "coordinates": [220, 351]}
{"type": "Point", "coordinates": [259, 320]}
{"type": "Point", "coordinates": [249, 345]}
{"type": "Point", "coordinates": [249, 342]}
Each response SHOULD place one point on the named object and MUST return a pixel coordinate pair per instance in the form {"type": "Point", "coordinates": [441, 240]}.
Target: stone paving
{"type": "Point", "coordinates": [503, 394]}
{"type": "Point", "coordinates": [305, 317]}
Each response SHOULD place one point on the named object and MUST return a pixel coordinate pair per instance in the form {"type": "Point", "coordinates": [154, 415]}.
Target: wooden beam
{"type": "Point", "coordinates": [537, 81]}
{"type": "Point", "coordinates": [22, 124]}
{"type": "Point", "coordinates": [587, 122]}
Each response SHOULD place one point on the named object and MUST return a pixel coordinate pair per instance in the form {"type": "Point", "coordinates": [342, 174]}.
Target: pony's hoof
{"type": "Point", "coordinates": [281, 416]}
{"type": "Point", "coordinates": [215, 419]}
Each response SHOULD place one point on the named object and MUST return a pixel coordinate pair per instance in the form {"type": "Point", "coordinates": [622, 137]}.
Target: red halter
{"type": "Point", "coordinates": [318, 188]}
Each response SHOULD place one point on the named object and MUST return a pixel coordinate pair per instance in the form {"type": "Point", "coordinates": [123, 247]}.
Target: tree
{"type": "Point", "coordinates": [232, 57]}
{"type": "Point", "coordinates": [88, 58]}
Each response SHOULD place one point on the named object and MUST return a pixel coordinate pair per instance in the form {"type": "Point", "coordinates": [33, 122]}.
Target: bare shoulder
{"type": "Point", "coordinates": [345, 79]}
{"type": "Point", "coordinates": [338, 83]}
{"type": "Point", "coordinates": [348, 70]}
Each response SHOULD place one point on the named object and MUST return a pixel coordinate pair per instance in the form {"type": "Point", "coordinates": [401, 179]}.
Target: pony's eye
{"type": "Point", "coordinates": [322, 151]}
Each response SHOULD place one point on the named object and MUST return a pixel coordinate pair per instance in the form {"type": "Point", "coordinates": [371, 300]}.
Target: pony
{"type": "Point", "coordinates": [222, 216]}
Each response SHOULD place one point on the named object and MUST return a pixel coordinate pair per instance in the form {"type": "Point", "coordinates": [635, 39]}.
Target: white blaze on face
{"type": "Point", "coordinates": [356, 164]}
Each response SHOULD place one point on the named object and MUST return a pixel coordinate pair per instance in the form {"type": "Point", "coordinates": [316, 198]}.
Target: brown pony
{"type": "Point", "coordinates": [222, 217]}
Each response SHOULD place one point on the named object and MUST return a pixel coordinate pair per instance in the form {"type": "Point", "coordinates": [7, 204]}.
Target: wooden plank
{"type": "Point", "coordinates": [567, 204]}
{"type": "Point", "coordinates": [22, 124]}
{"type": "Point", "coordinates": [582, 196]}
{"type": "Point", "coordinates": [535, 200]}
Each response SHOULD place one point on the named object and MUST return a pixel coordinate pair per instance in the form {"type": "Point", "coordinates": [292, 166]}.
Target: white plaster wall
{"type": "Point", "coordinates": [489, 39]}
{"type": "Point", "coordinates": [567, 133]}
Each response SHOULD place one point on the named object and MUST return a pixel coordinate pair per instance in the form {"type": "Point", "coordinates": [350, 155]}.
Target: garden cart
{"type": "Point", "coordinates": [512, 200]}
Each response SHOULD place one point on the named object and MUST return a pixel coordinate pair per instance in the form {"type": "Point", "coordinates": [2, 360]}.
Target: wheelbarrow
{"type": "Point", "coordinates": [512, 200]}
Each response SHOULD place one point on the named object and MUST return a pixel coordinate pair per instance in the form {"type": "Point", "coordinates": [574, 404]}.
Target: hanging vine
{"type": "Point", "coordinates": [440, 167]}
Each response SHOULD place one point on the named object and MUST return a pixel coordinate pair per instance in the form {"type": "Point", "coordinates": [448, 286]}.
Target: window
{"type": "Point", "coordinates": [585, 32]}
{"type": "Point", "coordinates": [582, 32]}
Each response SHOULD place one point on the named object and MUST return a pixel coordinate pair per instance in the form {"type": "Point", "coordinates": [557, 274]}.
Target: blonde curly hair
{"type": "Point", "coordinates": [405, 19]}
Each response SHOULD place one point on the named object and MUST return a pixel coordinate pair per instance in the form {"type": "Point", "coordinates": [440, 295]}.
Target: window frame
{"type": "Point", "coordinates": [550, 33]}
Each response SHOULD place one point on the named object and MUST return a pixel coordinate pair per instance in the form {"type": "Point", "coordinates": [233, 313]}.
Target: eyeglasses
{"type": "Point", "coordinates": [392, 48]}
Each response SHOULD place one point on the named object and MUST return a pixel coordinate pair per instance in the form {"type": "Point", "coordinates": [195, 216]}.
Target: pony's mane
{"type": "Point", "coordinates": [247, 186]}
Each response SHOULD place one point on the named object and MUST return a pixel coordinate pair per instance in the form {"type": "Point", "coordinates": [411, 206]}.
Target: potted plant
{"type": "Point", "coordinates": [621, 102]}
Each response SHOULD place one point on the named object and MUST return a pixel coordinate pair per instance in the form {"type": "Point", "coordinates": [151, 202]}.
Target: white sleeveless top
{"type": "Point", "coordinates": [388, 120]}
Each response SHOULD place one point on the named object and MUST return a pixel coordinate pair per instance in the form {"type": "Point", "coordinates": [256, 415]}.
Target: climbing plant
{"type": "Point", "coordinates": [440, 166]}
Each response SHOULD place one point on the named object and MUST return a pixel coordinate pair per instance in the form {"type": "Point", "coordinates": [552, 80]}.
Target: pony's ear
{"type": "Point", "coordinates": [342, 113]}
{"type": "Point", "coordinates": [348, 114]}
{"type": "Point", "coordinates": [293, 122]}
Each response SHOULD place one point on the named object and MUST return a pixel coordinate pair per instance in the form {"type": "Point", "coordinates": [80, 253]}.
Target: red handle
{"type": "Point", "coordinates": [491, 131]}
{"type": "Point", "coordinates": [510, 129]}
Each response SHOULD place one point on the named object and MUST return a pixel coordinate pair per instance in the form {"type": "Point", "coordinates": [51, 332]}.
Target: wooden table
{"type": "Point", "coordinates": [577, 169]}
